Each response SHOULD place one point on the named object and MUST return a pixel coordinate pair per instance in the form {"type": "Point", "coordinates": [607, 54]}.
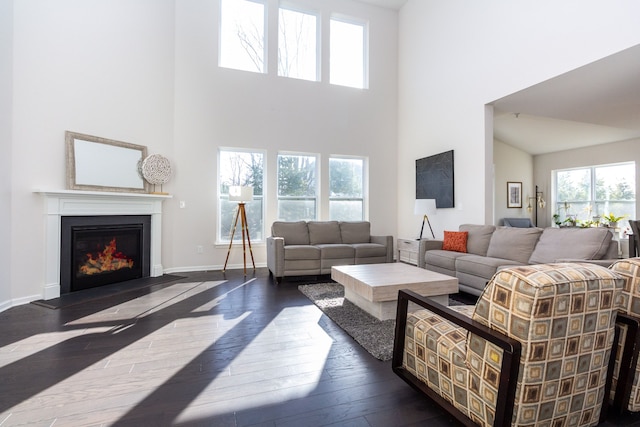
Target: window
{"type": "Point", "coordinates": [297, 187]}
{"type": "Point", "coordinates": [297, 47]}
{"type": "Point", "coordinates": [242, 35]}
{"type": "Point", "coordinates": [583, 194]}
{"type": "Point", "coordinates": [245, 168]}
{"type": "Point", "coordinates": [346, 194]}
{"type": "Point", "coordinates": [347, 54]}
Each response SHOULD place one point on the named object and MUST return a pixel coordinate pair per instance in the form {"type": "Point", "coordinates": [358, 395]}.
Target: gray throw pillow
{"type": "Point", "coordinates": [515, 244]}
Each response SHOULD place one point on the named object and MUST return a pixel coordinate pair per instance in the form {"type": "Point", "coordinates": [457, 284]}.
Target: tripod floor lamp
{"type": "Point", "coordinates": [425, 207]}
{"type": "Point", "coordinates": [241, 195]}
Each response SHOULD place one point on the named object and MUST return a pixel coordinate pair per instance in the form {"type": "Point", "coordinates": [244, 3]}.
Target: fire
{"type": "Point", "coordinates": [107, 260]}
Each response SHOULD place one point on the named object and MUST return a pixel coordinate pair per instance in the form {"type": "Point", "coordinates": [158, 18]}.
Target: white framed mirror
{"type": "Point", "coordinates": [101, 164]}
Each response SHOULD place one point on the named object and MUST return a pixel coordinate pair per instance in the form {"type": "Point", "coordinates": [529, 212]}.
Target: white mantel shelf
{"type": "Point", "coordinates": [61, 203]}
{"type": "Point", "coordinates": [100, 194]}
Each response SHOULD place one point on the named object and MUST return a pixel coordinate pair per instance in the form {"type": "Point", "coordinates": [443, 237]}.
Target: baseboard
{"type": "Point", "coordinates": [5, 305]}
{"type": "Point", "coordinates": [196, 268]}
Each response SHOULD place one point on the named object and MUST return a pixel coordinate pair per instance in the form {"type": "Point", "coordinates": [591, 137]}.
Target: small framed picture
{"type": "Point", "coordinates": [514, 194]}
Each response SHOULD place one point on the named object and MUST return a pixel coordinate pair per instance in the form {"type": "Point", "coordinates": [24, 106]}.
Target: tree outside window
{"type": "Point", "coordinates": [242, 35]}
{"type": "Point", "coordinates": [346, 189]}
{"type": "Point", "coordinates": [297, 46]}
{"type": "Point", "coordinates": [244, 168]}
{"type": "Point", "coordinates": [586, 194]}
{"type": "Point", "coordinates": [297, 187]}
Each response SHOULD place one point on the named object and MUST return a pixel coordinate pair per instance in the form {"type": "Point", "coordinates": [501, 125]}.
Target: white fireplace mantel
{"type": "Point", "coordinates": [80, 203]}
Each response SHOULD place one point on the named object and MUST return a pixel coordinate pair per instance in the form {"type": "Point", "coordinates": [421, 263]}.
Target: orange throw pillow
{"type": "Point", "coordinates": [455, 241]}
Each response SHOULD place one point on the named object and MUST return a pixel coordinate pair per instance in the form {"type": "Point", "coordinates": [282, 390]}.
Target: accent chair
{"type": "Point", "coordinates": [534, 350]}
{"type": "Point", "coordinates": [626, 377]}
{"type": "Point", "coordinates": [518, 222]}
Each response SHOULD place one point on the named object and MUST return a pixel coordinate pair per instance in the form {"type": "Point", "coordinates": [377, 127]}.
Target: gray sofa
{"type": "Point", "coordinates": [490, 248]}
{"type": "Point", "coordinates": [311, 248]}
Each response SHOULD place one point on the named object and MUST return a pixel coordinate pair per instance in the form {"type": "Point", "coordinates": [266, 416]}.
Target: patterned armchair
{"type": "Point", "coordinates": [626, 376]}
{"type": "Point", "coordinates": [534, 350]}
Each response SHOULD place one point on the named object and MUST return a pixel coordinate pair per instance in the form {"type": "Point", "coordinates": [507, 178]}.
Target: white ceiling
{"type": "Point", "coordinates": [594, 104]}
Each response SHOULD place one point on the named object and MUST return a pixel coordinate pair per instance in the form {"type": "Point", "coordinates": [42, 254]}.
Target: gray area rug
{"type": "Point", "coordinates": [375, 336]}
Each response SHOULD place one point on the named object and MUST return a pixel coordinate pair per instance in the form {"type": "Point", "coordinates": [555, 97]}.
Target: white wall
{"type": "Point", "coordinates": [103, 68]}
{"type": "Point", "coordinates": [616, 152]}
{"type": "Point", "coordinates": [220, 107]}
{"type": "Point", "coordinates": [6, 99]}
{"type": "Point", "coordinates": [456, 56]}
{"type": "Point", "coordinates": [145, 72]}
{"type": "Point", "coordinates": [511, 165]}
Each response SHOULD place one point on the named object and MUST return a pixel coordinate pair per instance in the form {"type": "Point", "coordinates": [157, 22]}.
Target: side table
{"type": "Point", "coordinates": [408, 250]}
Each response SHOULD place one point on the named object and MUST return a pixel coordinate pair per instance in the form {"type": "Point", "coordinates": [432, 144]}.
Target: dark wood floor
{"type": "Point", "coordinates": [210, 349]}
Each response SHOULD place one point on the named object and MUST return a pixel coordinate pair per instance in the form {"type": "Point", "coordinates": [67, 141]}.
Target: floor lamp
{"type": "Point", "coordinates": [539, 201]}
{"type": "Point", "coordinates": [241, 195]}
{"type": "Point", "coordinates": [425, 207]}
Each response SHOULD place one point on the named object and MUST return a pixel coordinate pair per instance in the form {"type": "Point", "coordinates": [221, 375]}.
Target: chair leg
{"type": "Point", "coordinates": [604, 410]}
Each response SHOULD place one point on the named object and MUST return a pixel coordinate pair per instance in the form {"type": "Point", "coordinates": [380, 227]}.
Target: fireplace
{"type": "Point", "coordinates": [101, 250]}
{"type": "Point", "coordinates": [72, 203]}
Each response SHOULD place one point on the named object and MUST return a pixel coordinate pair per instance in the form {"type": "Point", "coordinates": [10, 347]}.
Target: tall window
{"type": "Point", "coordinates": [585, 193]}
{"type": "Point", "coordinates": [346, 189]}
{"type": "Point", "coordinates": [297, 187]}
{"type": "Point", "coordinates": [244, 168]}
{"type": "Point", "coordinates": [347, 54]}
{"type": "Point", "coordinates": [297, 46]}
{"type": "Point", "coordinates": [242, 35]}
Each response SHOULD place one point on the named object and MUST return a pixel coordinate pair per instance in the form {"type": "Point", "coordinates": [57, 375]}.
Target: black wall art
{"type": "Point", "coordinates": [434, 179]}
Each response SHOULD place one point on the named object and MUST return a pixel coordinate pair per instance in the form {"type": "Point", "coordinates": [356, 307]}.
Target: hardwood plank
{"type": "Point", "coordinates": [211, 349]}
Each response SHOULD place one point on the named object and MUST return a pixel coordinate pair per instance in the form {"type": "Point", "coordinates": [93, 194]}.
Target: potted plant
{"type": "Point", "coordinates": [612, 220]}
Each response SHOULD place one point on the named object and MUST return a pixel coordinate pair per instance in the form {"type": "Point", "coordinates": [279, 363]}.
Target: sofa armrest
{"type": "Point", "coordinates": [510, 363]}
{"type": "Point", "coordinates": [386, 241]}
{"type": "Point", "coordinates": [427, 245]}
{"type": "Point", "coordinates": [275, 255]}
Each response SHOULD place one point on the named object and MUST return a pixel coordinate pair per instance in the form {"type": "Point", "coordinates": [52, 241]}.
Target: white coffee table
{"type": "Point", "coordinates": [374, 287]}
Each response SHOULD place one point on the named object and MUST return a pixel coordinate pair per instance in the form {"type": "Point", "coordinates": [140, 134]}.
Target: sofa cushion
{"type": "Point", "coordinates": [515, 244]}
{"type": "Point", "coordinates": [455, 241]}
{"type": "Point", "coordinates": [369, 250]}
{"type": "Point", "coordinates": [293, 233]}
{"type": "Point", "coordinates": [293, 252]}
{"type": "Point", "coordinates": [442, 259]}
{"type": "Point", "coordinates": [355, 232]}
{"type": "Point", "coordinates": [336, 251]}
{"type": "Point", "coordinates": [478, 238]}
{"type": "Point", "coordinates": [321, 232]}
{"type": "Point", "coordinates": [482, 266]}
{"type": "Point", "coordinates": [571, 243]}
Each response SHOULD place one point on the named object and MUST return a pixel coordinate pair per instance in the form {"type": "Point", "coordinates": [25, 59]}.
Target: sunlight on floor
{"type": "Point", "coordinates": [40, 342]}
{"type": "Point", "coordinates": [130, 310]}
{"type": "Point", "coordinates": [259, 365]}
{"type": "Point", "coordinates": [228, 355]}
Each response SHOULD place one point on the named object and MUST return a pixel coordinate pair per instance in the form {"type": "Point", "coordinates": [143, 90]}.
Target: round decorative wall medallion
{"type": "Point", "coordinates": [156, 169]}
